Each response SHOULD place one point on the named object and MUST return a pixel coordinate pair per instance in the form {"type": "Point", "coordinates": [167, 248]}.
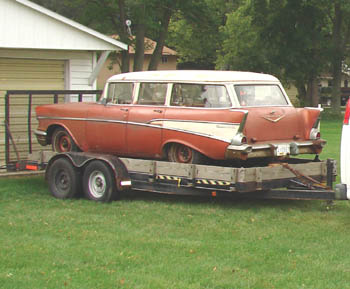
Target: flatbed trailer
{"type": "Point", "coordinates": [102, 177]}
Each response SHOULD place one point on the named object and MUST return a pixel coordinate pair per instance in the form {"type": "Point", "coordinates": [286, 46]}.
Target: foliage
{"type": "Point", "coordinates": [194, 33]}
{"type": "Point", "coordinates": [296, 40]}
{"type": "Point", "coordinates": [286, 38]}
{"type": "Point", "coordinates": [240, 48]}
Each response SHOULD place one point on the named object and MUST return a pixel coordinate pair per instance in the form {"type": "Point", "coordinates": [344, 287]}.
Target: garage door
{"type": "Point", "coordinates": [25, 74]}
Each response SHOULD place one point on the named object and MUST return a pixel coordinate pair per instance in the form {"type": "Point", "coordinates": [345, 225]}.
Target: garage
{"type": "Point", "coordinates": [43, 50]}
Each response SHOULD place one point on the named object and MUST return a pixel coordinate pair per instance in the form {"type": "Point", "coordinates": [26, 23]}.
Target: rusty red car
{"type": "Point", "coordinates": [186, 117]}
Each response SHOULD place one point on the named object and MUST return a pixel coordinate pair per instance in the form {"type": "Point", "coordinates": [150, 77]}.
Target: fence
{"type": "Point", "coordinates": [20, 115]}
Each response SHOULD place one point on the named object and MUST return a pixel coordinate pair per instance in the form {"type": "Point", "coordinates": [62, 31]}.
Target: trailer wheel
{"type": "Point", "coordinates": [183, 154]}
{"type": "Point", "coordinates": [99, 182]}
{"type": "Point", "coordinates": [64, 179]}
{"type": "Point", "coordinates": [62, 142]}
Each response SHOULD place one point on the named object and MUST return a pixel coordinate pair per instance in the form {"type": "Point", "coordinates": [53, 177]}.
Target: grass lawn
{"type": "Point", "coordinates": [158, 241]}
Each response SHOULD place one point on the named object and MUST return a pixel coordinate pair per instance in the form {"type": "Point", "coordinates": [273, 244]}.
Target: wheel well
{"type": "Point", "coordinates": [167, 146]}
{"type": "Point", "coordinates": [50, 131]}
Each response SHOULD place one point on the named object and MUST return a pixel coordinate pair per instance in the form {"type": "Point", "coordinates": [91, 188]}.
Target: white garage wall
{"type": "Point", "coordinates": [80, 64]}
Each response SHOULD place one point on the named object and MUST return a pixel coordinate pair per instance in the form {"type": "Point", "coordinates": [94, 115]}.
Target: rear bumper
{"type": "Point", "coordinates": [261, 150]}
{"type": "Point", "coordinates": [41, 136]}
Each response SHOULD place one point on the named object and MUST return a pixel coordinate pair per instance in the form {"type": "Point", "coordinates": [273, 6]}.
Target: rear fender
{"type": "Point", "coordinates": [310, 120]}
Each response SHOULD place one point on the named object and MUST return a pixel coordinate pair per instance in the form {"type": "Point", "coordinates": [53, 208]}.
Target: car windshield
{"type": "Point", "coordinates": [260, 95]}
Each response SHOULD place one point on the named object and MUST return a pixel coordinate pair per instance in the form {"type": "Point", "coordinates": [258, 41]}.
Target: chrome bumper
{"type": "Point", "coordinates": [276, 149]}
{"type": "Point", "coordinates": [41, 136]}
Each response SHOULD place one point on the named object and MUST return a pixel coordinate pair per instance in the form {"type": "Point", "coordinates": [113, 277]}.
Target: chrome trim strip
{"type": "Point", "coordinates": [137, 124]}
{"type": "Point", "coordinates": [121, 121]}
{"type": "Point", "coordinates": [268, 146]}
{"type": "Point", "coordinates": [195, 121]}
{"type": "Point", "coordinates": [243, 122]}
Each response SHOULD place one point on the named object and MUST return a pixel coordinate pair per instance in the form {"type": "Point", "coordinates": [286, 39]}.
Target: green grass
{"type": "Point", "coordinates": [159, 241]}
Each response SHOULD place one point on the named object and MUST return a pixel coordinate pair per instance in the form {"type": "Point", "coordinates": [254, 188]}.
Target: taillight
{"type": "Point", "coordinates": [239, 139]}
{"type": "Point", "coordinates": [347, 113]}
{"type": "Point", "coordinates": [315, 134]}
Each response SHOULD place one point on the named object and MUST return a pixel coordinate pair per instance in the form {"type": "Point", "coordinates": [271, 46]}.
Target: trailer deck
{"type": "Point", "coordinates": [295, 179]}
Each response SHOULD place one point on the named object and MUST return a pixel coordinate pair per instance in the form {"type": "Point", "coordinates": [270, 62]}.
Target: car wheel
{"type": "Point", "coordinates": [64, 179]}
{"type": "Point", "coordinates": [99, 182]}
{"type": "Point", "coordinates": [62, 142]}
{"type": "Point", "coordinates": [183, 154]}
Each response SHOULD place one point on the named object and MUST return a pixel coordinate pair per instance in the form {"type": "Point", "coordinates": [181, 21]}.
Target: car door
{"type": "Point", "coordinates": [106, 126]}
{"type": "Point", "coordinates": [144, 128]}
{"type": "Point", "coordinates": [199, 116]}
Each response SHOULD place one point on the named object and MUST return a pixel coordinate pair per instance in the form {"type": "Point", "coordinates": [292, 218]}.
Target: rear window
{"type": "Point", "coordinates": [199, 95]}
{"type": "Point", "coordinates": [260, 95]}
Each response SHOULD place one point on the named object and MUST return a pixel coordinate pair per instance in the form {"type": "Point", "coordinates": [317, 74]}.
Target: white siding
{"type": "Point", "coordinates": [22, 26]}
{"type": "Point", "coordinates": [79, 68]}
{"type": "Point", "coordinates": [74, 76]}
{"type": "Point", "coordinates": [25, 74]}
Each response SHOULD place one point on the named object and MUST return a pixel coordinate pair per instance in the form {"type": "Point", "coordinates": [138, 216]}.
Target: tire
{"type": "Point", "coordinates": [64, 179]}
{"type": "Point", "coordinates": [62, 142]}
{"type": "Point", "coordinates": [99, 182]}
{"type": "Point", "coordinates": [180, 153]}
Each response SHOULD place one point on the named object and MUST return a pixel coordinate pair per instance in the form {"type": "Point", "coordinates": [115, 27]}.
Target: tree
{"type": "Point", "coordinates": [339, 41]}
{"type": "Point", "coordinates": [109, 17]}
{"type": "Point", "coordinates": [194, 32]}
{"type": "Point", "coordinates": [286, 38]}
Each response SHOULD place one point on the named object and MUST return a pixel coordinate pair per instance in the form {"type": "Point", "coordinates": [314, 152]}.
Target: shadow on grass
{"type": "Point", "coordinates": [37, 188]}
{"type": "Point", "coordinates": [238, 203]}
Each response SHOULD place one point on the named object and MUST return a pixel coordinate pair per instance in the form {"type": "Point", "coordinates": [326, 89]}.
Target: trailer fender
{"type": "Point", "coordinates": [81, 159]}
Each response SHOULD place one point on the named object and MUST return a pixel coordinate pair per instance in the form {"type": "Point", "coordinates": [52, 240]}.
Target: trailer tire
{"type": "Point", "coordinates": [99, 182]}
{"type": "Point", "coordinates": [64, 179]}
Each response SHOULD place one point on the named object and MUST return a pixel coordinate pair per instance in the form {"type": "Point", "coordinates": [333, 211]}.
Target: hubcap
{"type": "Point", "coordinates": [62, 181]}
{"type": "Point", "coordinates": [184, 154]}
{"type": "Point", "coordinates": [97, 184]}
{"type": "Point", "coordinates": [64, 144]}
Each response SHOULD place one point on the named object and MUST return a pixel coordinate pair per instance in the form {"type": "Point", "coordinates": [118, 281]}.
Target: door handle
{"type": "Point", "coordinates": [158, 110]}
{"type": "Point", "coordinates": [124, 109]}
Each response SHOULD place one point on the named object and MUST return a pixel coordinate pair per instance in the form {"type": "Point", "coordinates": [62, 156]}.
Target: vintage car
{"type": "Point", "coordinates": [186, 117]}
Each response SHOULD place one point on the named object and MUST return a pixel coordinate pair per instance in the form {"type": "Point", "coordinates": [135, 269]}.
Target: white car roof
{"type": "Point", "coordinates": [194, 75]}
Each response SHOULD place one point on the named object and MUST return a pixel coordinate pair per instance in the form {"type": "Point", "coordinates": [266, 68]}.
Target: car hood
{"type": "Point", "coordinates": [72, 109]}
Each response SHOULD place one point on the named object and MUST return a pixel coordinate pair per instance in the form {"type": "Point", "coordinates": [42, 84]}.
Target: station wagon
{"type": "Point", "coordinates": [185, 116]}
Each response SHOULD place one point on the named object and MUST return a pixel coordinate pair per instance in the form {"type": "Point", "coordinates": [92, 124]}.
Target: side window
{"type": "Point", "coordinates": [152, 93]}
{"type": "Point", "coordinates": [120, 93]}
{"type": "Point", "coordinates": [200, 95]}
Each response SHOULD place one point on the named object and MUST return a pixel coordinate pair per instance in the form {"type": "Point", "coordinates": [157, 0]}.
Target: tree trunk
{"type": "Point", "coordinates": [125, 65]}
{"type": "Point", "coordinates": [301, 93]}
{"type": "Point", "coordinates": [337, 58]}
{"type": "Point", "coordinates": [312, 95]}
{"type": "Point", "coordinates": [157, 53]}
{"type": "Point", "coordinates": [315, 100]}
{"type": "Point", "coordinates": [139, 47]}
{"type": "Point", "coordinates": [140, 39]}
{"type": "Point", "coordinates": [124, 37]}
